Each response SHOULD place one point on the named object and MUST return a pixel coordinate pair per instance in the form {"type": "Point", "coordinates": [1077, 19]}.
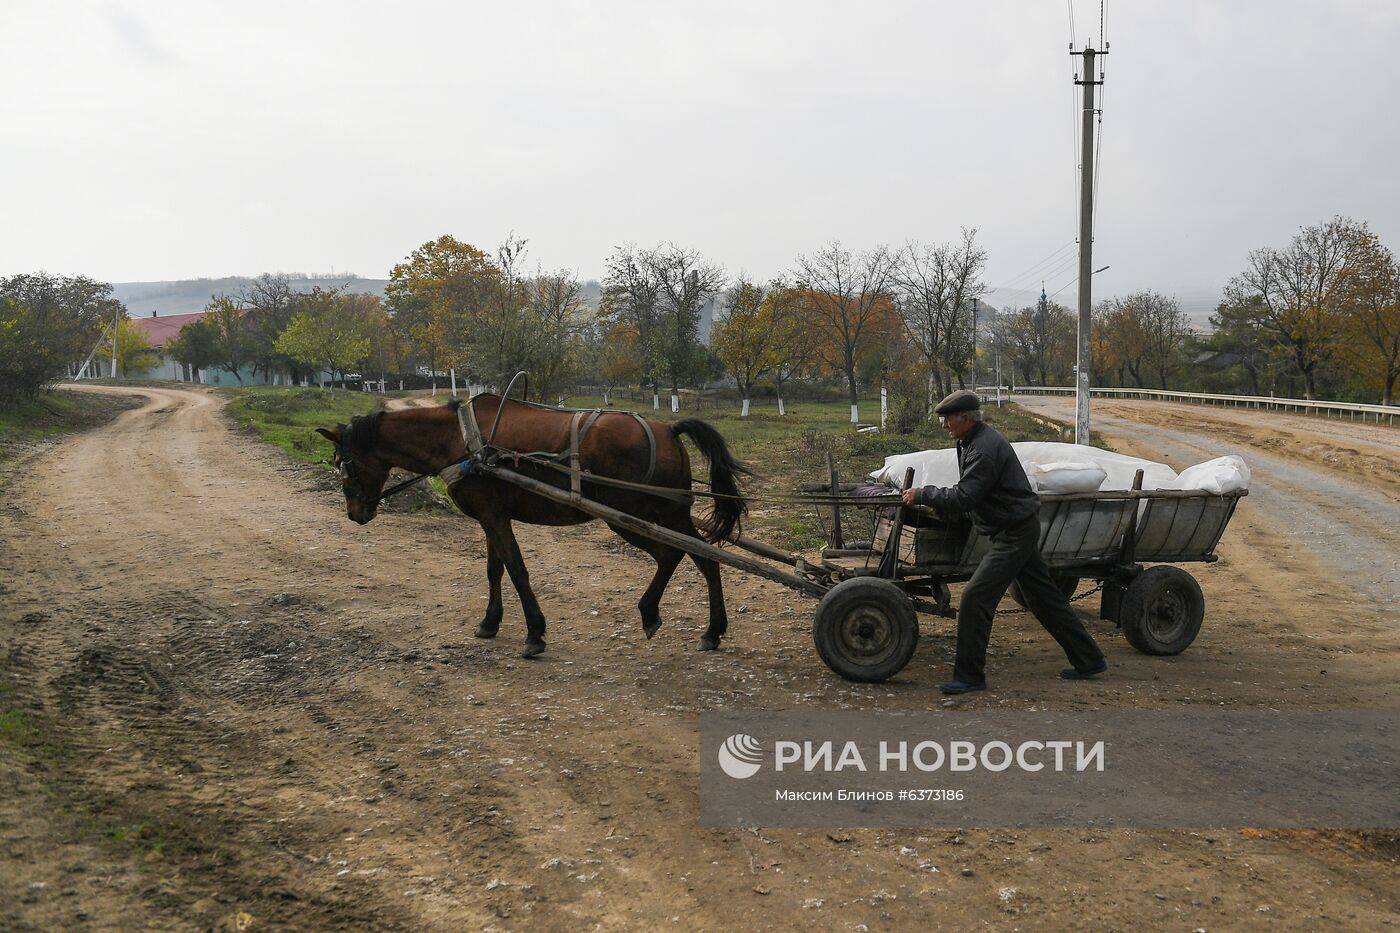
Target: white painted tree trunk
{"type": "Point", "coordinates": [745, 413]}
{"type": "Point", "coordinates": [855, 414]}
{"type": "Point", "coordinates": [452, 371]}
{"type": "Point", "coordinates": [884, 407]}
{"type": "Point", "coordinates": [655, 401]}
{"type": "Point", "coordinates": [781, 410]}
{"type": "Point", "coordinates": [675, 403]}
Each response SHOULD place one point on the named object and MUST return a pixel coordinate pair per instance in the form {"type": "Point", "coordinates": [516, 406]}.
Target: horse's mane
{"type": "Point", "coordinates": [361, 435]}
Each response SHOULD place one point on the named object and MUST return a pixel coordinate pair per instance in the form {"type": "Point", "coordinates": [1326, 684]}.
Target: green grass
{"type": "Point", "coordinates": [24, 422]}
{"type": "Point", "coordinates": [13, 729]}
{"type": "Point", "coordinates": [289, 417]}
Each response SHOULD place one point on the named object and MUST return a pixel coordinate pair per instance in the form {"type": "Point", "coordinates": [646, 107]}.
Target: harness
{"type": "Point", "coordinates": [579, 426]}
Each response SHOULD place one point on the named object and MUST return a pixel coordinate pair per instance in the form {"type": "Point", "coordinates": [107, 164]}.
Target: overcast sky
{"type": "Point", "coordinates": [148, 140]}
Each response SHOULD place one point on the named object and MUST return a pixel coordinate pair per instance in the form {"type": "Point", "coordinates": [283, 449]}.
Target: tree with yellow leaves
{"type": "Point", "coordinates": [743, 337]}
{"type": "Point", "coordinates": [1368, 294]}
{"type": "Point", "coordinates": [134, 353]}
{"type": "Point", "coordinates": [435, 294]}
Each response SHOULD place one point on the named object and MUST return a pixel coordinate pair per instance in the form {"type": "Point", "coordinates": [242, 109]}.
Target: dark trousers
{"type": "Point", "coordinates": [1015, 555]}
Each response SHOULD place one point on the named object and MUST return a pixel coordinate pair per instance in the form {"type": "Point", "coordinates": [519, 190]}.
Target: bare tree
{"type": "Point", "coordinates": [1041, 339]}
{"type": "Point", "coordinates": [556, 319]}
{"type": "Point", "coordinates": [936, 287]}
{"type": "Point", "coordinates": [687, 281]}
{"type": "Point", "coordinates": [848, 299]}
{"type": "Point", "coordinates": [270, 300]}
{"type": "Point", "coordinates": [1166, 330]}
{"type": "Point", "coordinates": [632, 301]}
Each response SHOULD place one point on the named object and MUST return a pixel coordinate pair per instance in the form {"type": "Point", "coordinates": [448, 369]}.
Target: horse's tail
{"type": "Point", "coordinates": [729, 505]}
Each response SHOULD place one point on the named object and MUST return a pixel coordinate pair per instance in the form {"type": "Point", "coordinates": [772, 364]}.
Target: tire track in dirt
{"type": "Point", "coordinates": [347, 756]}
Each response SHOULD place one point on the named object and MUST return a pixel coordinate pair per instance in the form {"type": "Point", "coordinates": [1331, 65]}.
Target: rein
{"type": "Point", "coordinates": [504, 453]}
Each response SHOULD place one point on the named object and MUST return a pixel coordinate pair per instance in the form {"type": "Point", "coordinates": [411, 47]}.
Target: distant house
{"type": "Point", "coordinates": [161, 331]}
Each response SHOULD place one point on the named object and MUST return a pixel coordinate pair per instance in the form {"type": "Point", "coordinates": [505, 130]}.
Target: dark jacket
{"type": "Point", "coordinates": [992, 486]}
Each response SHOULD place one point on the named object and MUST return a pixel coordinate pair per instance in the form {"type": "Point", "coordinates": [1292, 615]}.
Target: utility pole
{"type": "Point", "coordinates": [974, 344]}
{"type": "Point", "coordinates": [116, 329]}
{"type": "Point", "coordinates": [1086, 242]}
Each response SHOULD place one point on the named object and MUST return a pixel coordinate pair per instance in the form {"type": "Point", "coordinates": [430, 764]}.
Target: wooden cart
{"type": "Point", "coordinates": [866, 627]}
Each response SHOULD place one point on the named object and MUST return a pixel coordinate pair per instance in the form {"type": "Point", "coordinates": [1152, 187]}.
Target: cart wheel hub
{"type": "Point", "coordinates": [867, 632]}
{"type": "Point", "coordinates": [1167, 614]}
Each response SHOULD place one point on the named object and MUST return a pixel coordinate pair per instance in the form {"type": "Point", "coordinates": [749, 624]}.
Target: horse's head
{"type": "Point", "coordinates": [362, 472]}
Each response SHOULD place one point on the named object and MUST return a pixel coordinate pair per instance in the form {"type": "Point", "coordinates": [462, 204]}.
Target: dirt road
{"type": "Point", "coordinates": [233, 700]}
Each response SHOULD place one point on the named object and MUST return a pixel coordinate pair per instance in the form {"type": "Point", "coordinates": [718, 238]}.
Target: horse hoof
{"type": "Point", "coordinates": [532, 648]}
{"type": "Point", "coordinates": [651, 629]}
{"type": "Point", "coordinates": [484, 632]}
{"type": "Point", "coordinates": [709, 644]}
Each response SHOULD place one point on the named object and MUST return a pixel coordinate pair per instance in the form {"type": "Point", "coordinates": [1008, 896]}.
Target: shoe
{"type": "Point", "coordinates": [954, 687]}
{"type": "Point", "coordinates": [1074, 673]}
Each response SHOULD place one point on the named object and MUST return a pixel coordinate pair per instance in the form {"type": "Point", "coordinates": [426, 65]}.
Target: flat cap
{"type": "Point", "coordinates": [959, 402]}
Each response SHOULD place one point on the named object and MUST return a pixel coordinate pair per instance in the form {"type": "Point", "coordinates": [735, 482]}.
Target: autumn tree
{"type": "Point", "coordinates": [1293, 292]}
{"type": "Point", "coordinates": [386, 346]}
{"type": "Point", "coordinates": [1142, 332]}
{"type": "Point", "coordinates": [611, 354]}
{"type": "Point", "coordinates": [743, 337]}
{"type": "Point", "coordinates": [1118, 324]}
{"type": "Point", "coordinates": [795, 342]}
{"type": "Point", "coordinates": [134, 353]}
{"type": "Point", "coordinates": [848, 300]}
{"type": "Point", "coordinates": [436, 294]}
{"type": "Point", "coordinates": [1368, 295]}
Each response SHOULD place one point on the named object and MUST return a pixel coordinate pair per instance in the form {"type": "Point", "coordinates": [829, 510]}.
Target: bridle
{"type": "Point", "coordinates": [350, 478]}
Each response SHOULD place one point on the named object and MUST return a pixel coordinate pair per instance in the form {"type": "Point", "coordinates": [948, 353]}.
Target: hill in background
{"type": "Point", "coordinates": [186, 295]}
{"type": "Point", "coordinates": [181, 297]}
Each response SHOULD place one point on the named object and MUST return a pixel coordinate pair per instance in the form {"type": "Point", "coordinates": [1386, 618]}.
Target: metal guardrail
{"type": "Point", "coordinates": [1261, 402]}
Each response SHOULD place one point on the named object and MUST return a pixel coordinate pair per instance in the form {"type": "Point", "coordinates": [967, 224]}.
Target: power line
{"type": "Point", "coordinates": [1052, 257]}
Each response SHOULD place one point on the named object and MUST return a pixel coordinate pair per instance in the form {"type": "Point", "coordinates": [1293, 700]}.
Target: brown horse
{"type": "Point", "coordinates": [616, 445]}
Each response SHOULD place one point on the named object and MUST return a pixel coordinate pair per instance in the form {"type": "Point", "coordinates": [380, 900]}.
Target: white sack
{"type": "Point", "coordinates": [1065, 476]}
{"type": "Point", "coordinates": [940, 467]}
{"type": "Point", "coordinates": [931, 468]}
{"type": "Point", "coordinates": [1218, 476]}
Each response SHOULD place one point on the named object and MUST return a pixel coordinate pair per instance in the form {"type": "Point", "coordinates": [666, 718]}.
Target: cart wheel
{"type": "Point", "coordinates": [1162, 610]}
{"type": "Point", "coordinates": [1067, 584]}
{"type": "Point", "coordinates": [865, 629]}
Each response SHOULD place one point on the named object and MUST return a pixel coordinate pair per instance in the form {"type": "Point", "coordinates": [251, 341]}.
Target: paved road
{"type": "Point", "coordinates": [1346, 524]}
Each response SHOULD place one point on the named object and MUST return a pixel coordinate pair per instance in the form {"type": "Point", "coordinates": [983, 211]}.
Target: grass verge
{"type": "Point", "coordinates": [25, 423]}
{"type": "Point", "coordinates": [288, 418]}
